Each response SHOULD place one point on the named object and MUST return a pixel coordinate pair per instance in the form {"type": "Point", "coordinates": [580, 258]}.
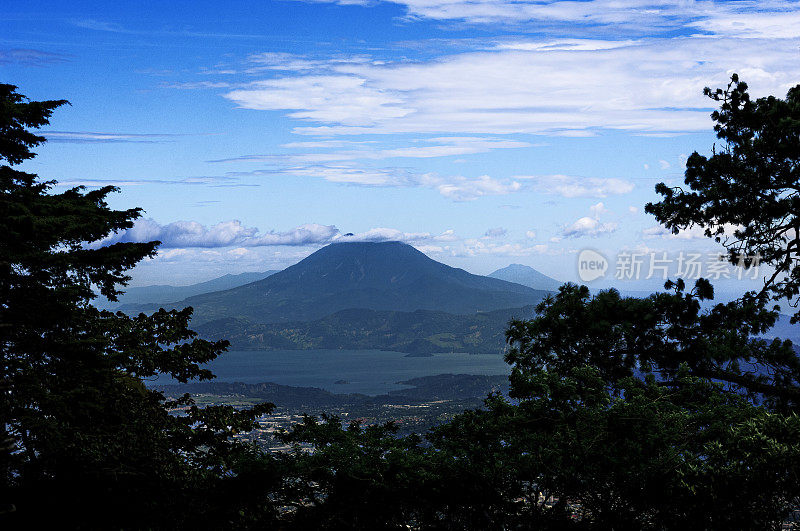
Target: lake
{"type": "Point", "coordinates": [369, 372]}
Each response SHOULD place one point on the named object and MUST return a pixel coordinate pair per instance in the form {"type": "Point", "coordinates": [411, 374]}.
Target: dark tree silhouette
{"type": "Point", "coordinates": [746, 195]}
{"type": "Point", "coordinates": [84, 442]}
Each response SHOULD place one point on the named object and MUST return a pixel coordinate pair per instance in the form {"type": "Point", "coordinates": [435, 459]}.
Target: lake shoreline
{"type": "Point", "coordinates": [369, 372]}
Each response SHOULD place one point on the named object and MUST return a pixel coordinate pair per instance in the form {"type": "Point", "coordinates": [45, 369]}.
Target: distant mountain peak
{"type": "Point", "coordinates": [517, 267]}
{"type": "Point", "coordinates": [163, 293]}
{"type": "Point", "coordinates": [527, 276]}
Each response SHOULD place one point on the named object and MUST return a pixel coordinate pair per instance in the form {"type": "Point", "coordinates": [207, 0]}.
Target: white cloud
{"type": "Point", "coordinates": [445, 147]}
{"type": "Point", "coordinates": [468, 189]}
{"type": "Point", "coordinates": [326, 144]}
{"type": "Point", "coordinates": [189, 240]}
{"type": "Point", "coordinates": [750, 19]}
{"type": "Point", "coordinates": [341, 99]}
{"type": "Point", "coordinates": [692, 233]}
{"type": "Point", "coordinates": [457, 188]}
{"type": "Point", "coordinates": [186, 233]}
{"type": "Point", "coordinates": [531, 234]}
{"type": "Point", "coordinates": [447, 236]}
{"type": "Point", "coordinates": [356, 175]}
{"type": "Point", "coordinates": [664, 164]}
{"type": "Point", "coordinates": [309, 234]}
{"type": "Point", "coordinates": [651, 85]}
{"type": "Point", "coordinates": [590, 225]}
{"type": "Point", "coordinates": [632, 13]}
{"type": "Point", "coordinates": [195, 85]}
{"type": "Point", "coordinates": [482, 247]}
{"type": "Point", "coordinates": [99, 137]}
{"type": "Point", "coordinates": [420, 148]}
{"type": "Point", "coordinates": [658, 231]}
{"type": "Point", "coordinates": [386, 235]}
{"type": "Point", "coordinates": [598, 210]}
{"type": "Point", "coordinates": [182, 234]}
{"type": "Point", "coordinates": [173, 254]}
{"type": "Point", "coordinates": [239, 252]}
{"type": "Point", "coordinates": [587, 226]}
{"type": "Point", "coordinates": [778, 24]}
{"type": "Point", "coordinates": [245, 248]}
{"type": "Point", "coordinates": [567, 186]}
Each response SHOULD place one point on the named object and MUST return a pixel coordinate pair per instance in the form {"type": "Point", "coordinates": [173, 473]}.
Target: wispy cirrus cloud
{"type": "Point", "coordinates": [455, 187]}
{"type": "Point", "coordinates": [219, 181]}
{"type": "Point", "coordinates": [571, 186]}
{"type": "Point", "coordinates": [561, 87]}
{"type": "Point", "coordinates": [421, 148]}
{"type": "Point", "coordinates": [482, 247]}
{"type": "Point", "coordinates": [691, 233]}
{"type": "Point", "coordinates": [618, 16]}
{"type": "Point", "coordinates": [30, 57]}
{"type": "Point", "coordinates": [96, 137]}
{"type": "Point", "coordinates": [341, 99]}
{"type": "Point", "coordinates": [445, 147]}
{"type": "Point", "coordinates": [108, 26]}
{"type": "Point", "coordinates": [99, 25]}
{"type": "Point", "coordinates": [778, 20]}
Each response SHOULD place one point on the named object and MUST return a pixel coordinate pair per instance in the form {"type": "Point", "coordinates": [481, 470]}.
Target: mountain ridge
{"type": "Point", "coordinates": [390, 276]}
{"type": "Point", "coordinates": [166, 293]}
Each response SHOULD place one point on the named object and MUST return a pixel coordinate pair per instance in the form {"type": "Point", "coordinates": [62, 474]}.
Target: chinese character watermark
{"type": "Point", "coordinates": [629, 265]}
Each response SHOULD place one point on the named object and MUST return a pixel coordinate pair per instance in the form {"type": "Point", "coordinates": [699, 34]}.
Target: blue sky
{"type": "Point", "coordinates": [482, 132]}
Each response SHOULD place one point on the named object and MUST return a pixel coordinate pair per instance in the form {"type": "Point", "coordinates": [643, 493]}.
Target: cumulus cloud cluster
{"type": "Point", "coordinates": [177, 236]}
{"type": "Point", "coordinates": [190, 241]}
{"type": "Point", "coordinates": [587, 226]}
{"type": "Point", "coordinates": [181, 234]}
{"type": "Point", "coordinates": [590, 225]}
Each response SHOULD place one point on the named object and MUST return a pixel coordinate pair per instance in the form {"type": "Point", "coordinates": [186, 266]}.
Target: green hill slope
{"type": "Point", "coordinates": [420, 332]}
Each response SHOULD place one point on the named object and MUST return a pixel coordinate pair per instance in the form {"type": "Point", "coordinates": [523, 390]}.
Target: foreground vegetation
{"type": "Point", "coordinates": [624, 413]}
